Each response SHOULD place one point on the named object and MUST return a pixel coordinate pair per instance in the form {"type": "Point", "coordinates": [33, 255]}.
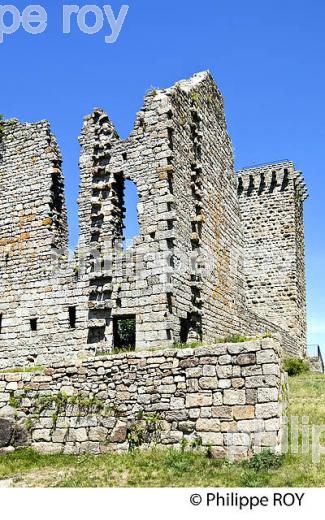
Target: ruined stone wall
{"type": "Point", "coordinates": [33, 213]}
{"type": "Point", "coordinates": [204, 265]}
{"type": "Point", "coordinates": [37, 285]}
{"type": "Point", "coordinates": [271, 201]}
{"type": "Point", "coordinates": [316, 364]}
{"type": "Point", "coordinates": [207, 229]}
{"type": "Point", "coordinates": [182, 276]}
{"type": "Point", "coordinates": [227, 397]}
{"type": "Point", "coordinates": [128, 282]}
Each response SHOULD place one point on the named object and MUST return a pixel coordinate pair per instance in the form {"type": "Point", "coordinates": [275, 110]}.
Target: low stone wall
{"type": "Point", "coordinates": [226, 398]}
{"type": "Point", "coordinates": [316, 364]}
{"type": "Point", "coordinates": [251, 324]}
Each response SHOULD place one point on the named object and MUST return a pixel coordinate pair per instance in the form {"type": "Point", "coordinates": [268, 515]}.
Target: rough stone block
{"type": "Point", "coordinates": [119, 433]}
{"type": "Point", "coordinates": [41, 435]}
{"type": "Point", "coordinates": [266, 356]}
{"type": "Point", "coordinates": [251, 425]}
{"type": "Point", "coordinates": [224, 360]}
{"type": "Point", "coordinates": [222, 412]}
{"type": "Point", "coordinates": [217, 398]}
{"type": "Point", "coordinates": [208, 383]}
{"type": "Point", "coordinates": [244, 412]}
{"type": "Point", "coordinates": [167, 389]}
{"type": "Point", "coordinates": [265, 439]}
{"type": "Point", "coordinates": [208, 425]}
{"type": "Point", "coordinates": [238, 439]}
{"type": "Point", "coordinates": [224, 383]}
{"type": "Point", "coordinates": [229, 426]}
{"type": "Point", "coordinates": [209, 370]}
{"type": "Point", "coordinates": [59, 435]}
{"type": "Point", "coordinates": [171, 437]}
{"type": "Point", "coordinates": [272, 425]}
{"type": "Point", "coordinates": [234, 397]}
{"type": "Point", "coordinates": [47, 447]}
{"type": "Point", "coordinates": [218, 452]}
{"type": "Point", "coordinates": [267, 411]}
{"type": "Point", "coordinates": [186, 427]}
{"type": "Point", "coordinates": [97, 433]}
{"type": "Point", "coordinates": [212, 439]}
{"type": "Point", "coordinates": [198, 399]}
{"type": "Point", "coordinates": [265, 395]}
{"type": "Point", "coordinates": [246, 359]}
{"type": "Point", "coordinates": [238, 382]}
{"type": "Point", "coordinates": [77, 435]}
{"type": "Point", "coordinates": [271, 369]}
{"type": "Point", "coordinates": [225, 371]}
{"type": "Point", "coordinates": [6, 431]}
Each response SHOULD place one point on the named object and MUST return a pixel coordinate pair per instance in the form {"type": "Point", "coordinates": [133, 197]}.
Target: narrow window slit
{"type": "Point", "coordinates": [131, 225]}
{"type": "Point", "coordinates": [72, 317]}
{"type": "Point", "coordinates": [33, 324]}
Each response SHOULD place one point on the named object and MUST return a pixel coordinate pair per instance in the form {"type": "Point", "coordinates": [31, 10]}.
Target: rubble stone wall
{"type": "Point", "coordinates": [228, 397]}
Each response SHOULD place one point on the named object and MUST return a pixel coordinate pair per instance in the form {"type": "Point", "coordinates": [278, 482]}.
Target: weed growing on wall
{"type": "Point", "coordinates": [144, 430]}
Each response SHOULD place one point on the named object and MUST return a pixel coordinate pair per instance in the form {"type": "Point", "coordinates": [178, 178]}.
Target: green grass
{"type": "Point", "coordinates": [17, 370]}
{"type": "Point", "coordinates": [233, 338]}
{"type": "Point", "coordinates": [154, 468]}
{"type": "Point", "coordinates": [115, 352]}
{"type": "Point", "coordinates": [172, 468]}
{"type": "Point", "coordinates": [177, 346]}
{"type": "Point", "coordinates": [193, 344]}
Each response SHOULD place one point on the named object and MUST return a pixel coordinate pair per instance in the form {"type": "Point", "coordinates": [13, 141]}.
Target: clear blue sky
{"type": "Point", "coordinates": [268, 58]}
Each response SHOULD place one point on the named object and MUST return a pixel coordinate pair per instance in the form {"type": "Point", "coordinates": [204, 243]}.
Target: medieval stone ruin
{"type": "Point", "coordinates": [219, 253]}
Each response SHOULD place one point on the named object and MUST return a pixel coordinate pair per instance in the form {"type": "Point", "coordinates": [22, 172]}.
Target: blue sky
{"type": "Point", "coordinates": [266, 56]}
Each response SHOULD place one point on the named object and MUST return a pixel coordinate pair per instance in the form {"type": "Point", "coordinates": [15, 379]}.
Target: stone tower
{"type": "Point", "coordinates": [271, 200]}
{"type": "Point", "coordinates": [37, 286]}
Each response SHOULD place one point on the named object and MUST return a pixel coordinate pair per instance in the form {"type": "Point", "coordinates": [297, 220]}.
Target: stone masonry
{"type": "Point", "coordinates": [38, 286]}
{"type": "Point", "coordinates": [271, 199]}
{"type": "Point", "coordinates": [227, 398]}
{"type": "Point", "coordinates": [217, 254]}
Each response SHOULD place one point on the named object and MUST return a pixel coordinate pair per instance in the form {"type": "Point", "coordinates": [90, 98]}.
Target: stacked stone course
{"type": "Point", "coordinates": [225, 397]}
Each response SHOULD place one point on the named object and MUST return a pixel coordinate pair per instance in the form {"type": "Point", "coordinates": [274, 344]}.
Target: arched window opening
{"type": "Point", "coordinates": [130, 221]}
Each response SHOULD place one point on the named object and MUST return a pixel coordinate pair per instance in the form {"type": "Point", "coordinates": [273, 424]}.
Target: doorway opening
{"type": "Point", "coordinates": [124, 332]}
{"type": "Point", "coordinates": [184, 330]}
